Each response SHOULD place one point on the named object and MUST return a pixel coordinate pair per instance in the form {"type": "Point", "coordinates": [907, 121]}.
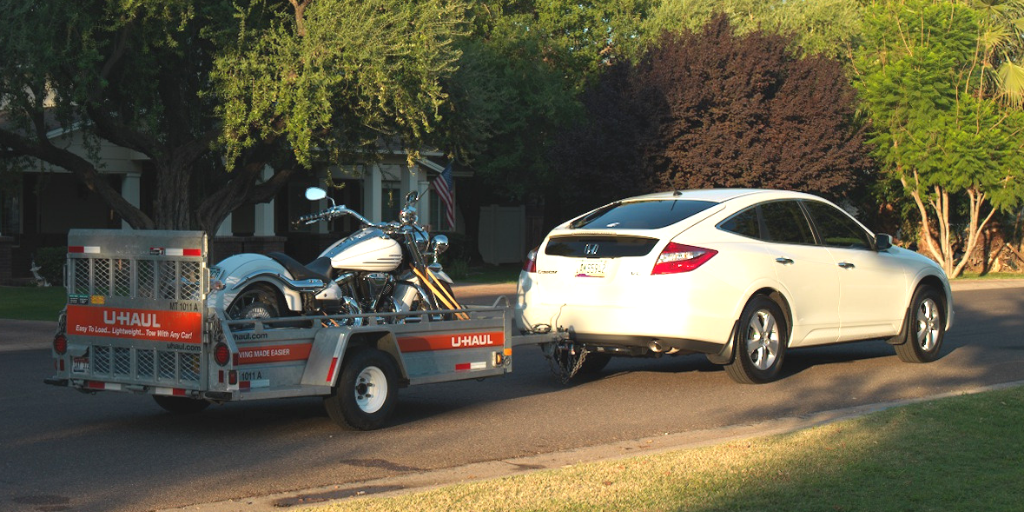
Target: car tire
{"type": "Point", "coordinates": [760, 342]}
{"type": "Point", "coordinates": [180, 404]}
{"type": "Point", "coordinates": [925, 327]}
{"type": "Point", "coordinates": [366, 391]}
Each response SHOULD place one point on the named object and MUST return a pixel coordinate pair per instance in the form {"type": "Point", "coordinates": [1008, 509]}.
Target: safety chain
{"type": "Point", "coordinates": [565, 360]}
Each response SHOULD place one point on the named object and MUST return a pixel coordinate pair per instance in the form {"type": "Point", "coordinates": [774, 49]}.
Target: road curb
{"type": "Point", "coordinates": [483, 471]}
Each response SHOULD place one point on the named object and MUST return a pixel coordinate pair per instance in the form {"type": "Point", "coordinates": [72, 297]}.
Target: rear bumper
{"type": "Point", "coordinates": [670, 318]}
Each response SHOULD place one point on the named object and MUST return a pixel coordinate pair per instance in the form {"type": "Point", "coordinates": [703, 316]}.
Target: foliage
{"type": "Point", "coordinates": [518, 78]}
{"type": "Point", "coordinates": [213, 92]}
{"type": "Point", "coordinates": [51, 262]}
{"type": "Point", "coordinates": [713, 109]}
{"type": "Point", "coordinates": [935, 130]}
{"type": "Point", "coordinates": [828, 27]}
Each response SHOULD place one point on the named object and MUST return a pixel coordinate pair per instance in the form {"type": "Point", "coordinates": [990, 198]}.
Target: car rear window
{"type": "Point", "coordinates": [640, 214]}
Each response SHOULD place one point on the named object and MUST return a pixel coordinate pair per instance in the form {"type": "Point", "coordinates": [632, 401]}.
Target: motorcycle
{"type": "Point", "coordinates": [381, 268]}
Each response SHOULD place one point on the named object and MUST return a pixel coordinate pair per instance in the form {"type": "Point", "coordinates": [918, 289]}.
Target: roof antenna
{"type": "Point", "coordinates": [677, 192]}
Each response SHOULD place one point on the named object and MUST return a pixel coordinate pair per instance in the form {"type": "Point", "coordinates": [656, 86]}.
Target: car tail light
{"type": "Point", "coordinates": [530, 264]}
{"type": "Point", "coordinates": [60, 344]}
{"type": "Point", "coordinates": [221, 354]}
{"type": "Point", "coordinates": [678, 258]}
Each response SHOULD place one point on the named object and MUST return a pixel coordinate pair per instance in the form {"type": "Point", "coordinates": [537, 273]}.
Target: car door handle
{"type": "Point", "coordinates": [843, 264]}
{"type": "Point", "coordinates": [784, 261]}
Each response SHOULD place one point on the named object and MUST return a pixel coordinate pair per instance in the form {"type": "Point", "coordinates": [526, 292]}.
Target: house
{"type": "Point", "coordinates": [49, 201]}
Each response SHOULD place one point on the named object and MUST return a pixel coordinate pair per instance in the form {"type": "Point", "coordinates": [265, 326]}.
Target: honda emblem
{"type": "Point", "coordinates": [590, 249]}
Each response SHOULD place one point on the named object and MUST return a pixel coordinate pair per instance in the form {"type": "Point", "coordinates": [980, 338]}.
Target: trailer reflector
{"type": "Point", "coordinates": [330, 372]}
{"type": "Point", "coordinates": [84, 249]}
{"type": "Point", "coordinates": [170, 391]}
{"type": "Point", "coordinates": [106, 386]}
{"type": "Point", "coordinates": [479, 365]}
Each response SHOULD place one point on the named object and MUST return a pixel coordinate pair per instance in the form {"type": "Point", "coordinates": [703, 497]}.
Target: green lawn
{"type": "Point", "coordinates": [956, 454]}
{"type": "Point", "coordinates": [31, 303]}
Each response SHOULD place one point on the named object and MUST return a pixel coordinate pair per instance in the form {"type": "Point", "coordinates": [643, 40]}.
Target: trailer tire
{"type": "Point", "coordinates": [365, 394]}
{"type": "Point", "coordinates": [180, 404]}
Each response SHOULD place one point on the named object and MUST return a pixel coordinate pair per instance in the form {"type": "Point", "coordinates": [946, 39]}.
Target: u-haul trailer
{"type": "Point", "coordinates": [140, 318]}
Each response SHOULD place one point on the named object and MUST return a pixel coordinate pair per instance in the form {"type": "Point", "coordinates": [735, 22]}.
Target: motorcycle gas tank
{"type": "Point", "coordinates": [368, 249]}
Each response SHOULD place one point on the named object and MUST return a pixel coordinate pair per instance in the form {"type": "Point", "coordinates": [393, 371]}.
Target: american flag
{"type": "Point", "coordinates": [444, 185]}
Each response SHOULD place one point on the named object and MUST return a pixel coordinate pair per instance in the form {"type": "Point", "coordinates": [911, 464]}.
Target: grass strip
{"type": "Point", "coordinates": [956, 454]}
{"type": "Point", "coordinates": [32, 303]}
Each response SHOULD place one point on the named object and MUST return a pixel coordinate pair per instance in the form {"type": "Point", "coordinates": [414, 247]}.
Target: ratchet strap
{"type": "Point", "coordinates": [439, 291]}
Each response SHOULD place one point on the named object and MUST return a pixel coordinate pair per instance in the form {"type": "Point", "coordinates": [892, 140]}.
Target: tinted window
{"type": "Point", "coordinates": [786, 223]}
{"type": "Point", "coordinates": [743, 223]}
{"type": "Point", "coordinates": [641, 214]}
{"type": "Point", "coordinates": [836, 228]}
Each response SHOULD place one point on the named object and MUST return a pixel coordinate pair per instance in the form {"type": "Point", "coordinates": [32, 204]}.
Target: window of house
{"type": "Point", "coordinates": [391, 200]}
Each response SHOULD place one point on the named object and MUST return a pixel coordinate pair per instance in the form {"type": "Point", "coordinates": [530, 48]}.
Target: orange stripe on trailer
{"type": "Point", "coordinates": [451, 341]}
{"type": "Point", "coordinates": [274, 353]}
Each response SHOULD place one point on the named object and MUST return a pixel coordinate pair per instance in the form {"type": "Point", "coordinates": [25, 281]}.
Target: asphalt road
{"type": "Point", "coordinates": [62, 450]}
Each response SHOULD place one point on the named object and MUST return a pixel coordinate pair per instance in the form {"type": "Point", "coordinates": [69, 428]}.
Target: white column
{"type": "Point", "coordinates": [225, 227]}
{"type": "Point", "coordinates": [264, 218]}
{"type": "Point", "coordinates": [131, 187]}
{"type": "Point", "coordinates": [423, 188]}
{"type": "Point", "coordinates": [372, 193]}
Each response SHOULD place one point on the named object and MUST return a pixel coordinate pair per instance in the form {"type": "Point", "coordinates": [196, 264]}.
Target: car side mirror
{"type": "Point", "coordinates": [883, 242]}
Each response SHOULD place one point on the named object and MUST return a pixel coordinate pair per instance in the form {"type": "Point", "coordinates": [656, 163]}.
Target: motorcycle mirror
{"type": "Point", "coordinates": [315, 193]}
{"type": "Point", "coordinates": [439, 244]}
{"type": "Point", "coordinates": [412, 197]}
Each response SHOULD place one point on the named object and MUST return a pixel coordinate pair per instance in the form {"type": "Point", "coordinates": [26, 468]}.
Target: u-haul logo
{"type": "Point", "coordinates": [451, 341]}
{"type": "Point", "coordinates": [130, 319]}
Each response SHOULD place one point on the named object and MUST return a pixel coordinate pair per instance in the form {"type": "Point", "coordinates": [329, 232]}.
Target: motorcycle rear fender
{"type": "Point", "coordinates": [243, 270]}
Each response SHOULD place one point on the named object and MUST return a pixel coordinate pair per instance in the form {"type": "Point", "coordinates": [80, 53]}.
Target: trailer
{"type": "Point", "coordinates": [142, 317]}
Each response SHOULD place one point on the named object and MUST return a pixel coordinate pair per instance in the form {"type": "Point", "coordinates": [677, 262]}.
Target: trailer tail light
{"type": "Point", "coordinates": [60, 344]}
{"type": "Point", "coordinates": [530, 264]}
{"type": "Point", "coordinates": [221, 354]}
{"type": "Point", "coordinates": [679, 258]}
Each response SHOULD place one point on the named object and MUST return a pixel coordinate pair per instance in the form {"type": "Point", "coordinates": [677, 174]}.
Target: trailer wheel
{"type": "Point", "coordinates": [180, 405]}
{"type": "Point", "coordinates": [365, 394]}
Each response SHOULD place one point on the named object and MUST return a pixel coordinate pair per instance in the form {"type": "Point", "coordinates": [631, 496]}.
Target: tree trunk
{"type": "Point", "coordinates": [172, 204]}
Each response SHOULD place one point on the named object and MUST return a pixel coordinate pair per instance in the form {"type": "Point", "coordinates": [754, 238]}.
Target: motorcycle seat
{"type": "Point", "coordinates": [315, 270]}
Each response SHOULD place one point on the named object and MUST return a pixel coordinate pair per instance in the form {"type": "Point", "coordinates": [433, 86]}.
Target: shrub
{"type": "Point", "coordinates": [51, 263]}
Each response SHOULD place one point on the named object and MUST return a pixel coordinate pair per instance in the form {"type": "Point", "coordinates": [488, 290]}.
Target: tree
{"type": "Point", "coordinates": [713, 109]}
{"type": "Point", "coordinates": [518, 78]}
{"type": "Point", "coordinates": [213, 92]}
{"type": "Point", "coordinates": [936, 131]}
{"type": "Point", "coordinates": [828, 27]}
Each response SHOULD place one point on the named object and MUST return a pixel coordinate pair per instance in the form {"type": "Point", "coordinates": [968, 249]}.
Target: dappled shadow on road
{"type": "Point", "coordinates": [117, 452]}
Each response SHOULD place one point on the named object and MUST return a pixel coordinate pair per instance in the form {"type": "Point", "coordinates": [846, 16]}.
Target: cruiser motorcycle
{"type": "Point", "coordinates": [379, 269]}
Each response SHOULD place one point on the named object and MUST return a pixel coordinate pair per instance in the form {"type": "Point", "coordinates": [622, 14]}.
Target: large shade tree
{"type": "Point", "coordinates": [940, 132]}
{"type": "Point", "coordinates": [716, 109]}
{"type": "Point", "coordinates": [214, 92]}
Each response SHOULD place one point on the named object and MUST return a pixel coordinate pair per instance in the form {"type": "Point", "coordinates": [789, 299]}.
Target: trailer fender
{"type": "Point", "coordinates": [330, 346]}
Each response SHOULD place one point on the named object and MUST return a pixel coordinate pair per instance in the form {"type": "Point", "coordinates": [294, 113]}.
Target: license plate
{"type": "Point", "coordinates": [591, 268]}
{"type": "Point", "coordinates": [80, 365]}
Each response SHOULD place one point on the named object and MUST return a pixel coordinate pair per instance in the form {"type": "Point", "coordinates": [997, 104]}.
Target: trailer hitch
{"type": "Point", "coordinates": [565, 357]}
